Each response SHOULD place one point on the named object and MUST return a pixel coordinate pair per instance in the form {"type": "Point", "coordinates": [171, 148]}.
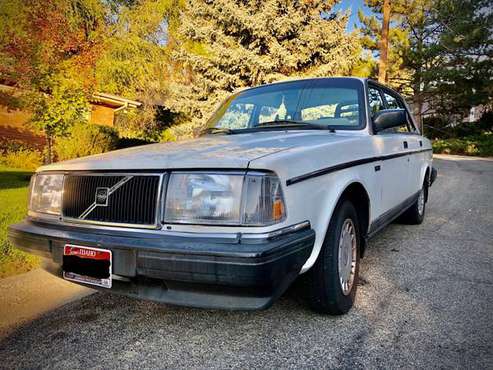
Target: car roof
{"type": "Point", "coordinates": [290, 80]}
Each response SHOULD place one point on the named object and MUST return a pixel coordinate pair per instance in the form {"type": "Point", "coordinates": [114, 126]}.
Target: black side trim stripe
{"type": "Point", "coordinates": [343, 166]}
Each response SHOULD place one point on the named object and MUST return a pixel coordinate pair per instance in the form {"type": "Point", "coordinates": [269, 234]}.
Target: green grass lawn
{"type": "Point", "coordinates": [13, 208]}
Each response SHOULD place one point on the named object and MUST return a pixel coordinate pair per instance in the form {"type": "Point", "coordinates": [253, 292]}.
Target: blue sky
{"type": "Point", "coordinates": [353, 5]}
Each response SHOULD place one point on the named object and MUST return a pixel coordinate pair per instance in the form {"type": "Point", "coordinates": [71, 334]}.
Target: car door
{"type": "Point", "coordinates": [411, 136]}
{"type": "Point", "coordinates": [395, 165]}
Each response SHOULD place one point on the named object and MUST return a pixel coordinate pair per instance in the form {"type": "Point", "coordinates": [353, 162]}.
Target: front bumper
{"type": "Point", "coordinates": [208, 272]}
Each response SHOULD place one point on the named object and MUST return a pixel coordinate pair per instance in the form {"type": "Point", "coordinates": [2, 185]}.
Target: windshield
{"type": "Point", "coordinates": [327, 103]}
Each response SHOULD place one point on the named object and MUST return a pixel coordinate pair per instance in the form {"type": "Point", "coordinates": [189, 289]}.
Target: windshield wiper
{"type": "Point", "coordinates": [282, 122]}
{"type": "Point", "coordinates": [292, 123]}
{"type": "Point", "coordinates": [219, 130]}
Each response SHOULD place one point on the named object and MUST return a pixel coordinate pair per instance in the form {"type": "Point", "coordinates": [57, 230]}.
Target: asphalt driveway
{"type": "Point", "coordinates": [425, 300]}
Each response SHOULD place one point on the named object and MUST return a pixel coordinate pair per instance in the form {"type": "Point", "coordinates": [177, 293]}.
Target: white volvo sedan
{"type": "Point", "coordinates": [290, 179]}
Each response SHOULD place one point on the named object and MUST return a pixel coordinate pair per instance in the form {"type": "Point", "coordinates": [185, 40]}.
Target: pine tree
{"type": "Point", "coordinates": [386, 51]}
{"type": "Point", "coordinates": [440, 53]}
{"type": "Point", "coordinates": [461, 73]}
{"type": "Point", "coordinates": [421, 55]}
{"type": "Point", "coordinates": [225, 45]}
{"type": "Point", "coordinates": [384, 43]}
{"type": "Point", "coordinates": [135, 60]}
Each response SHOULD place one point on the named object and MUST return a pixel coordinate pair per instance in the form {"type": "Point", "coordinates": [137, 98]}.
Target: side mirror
{"type": "Point", "coordinates": [389, 118]}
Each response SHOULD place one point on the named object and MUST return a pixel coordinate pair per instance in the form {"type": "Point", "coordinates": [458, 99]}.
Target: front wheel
{"type": "Point", "coordinates": [333, 280]}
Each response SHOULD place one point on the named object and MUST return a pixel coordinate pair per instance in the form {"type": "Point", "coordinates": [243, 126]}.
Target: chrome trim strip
{"type": "Point", "coordinates": [192, 234]}
{"type": "Point", "coordinates": [87, 224]}
{"type": "Point", "coordinates": [70, 220]}
{"type": "Point", "coordinates": [44, 217]}
{"type": "Point", "coordinates": [121, 278]}
{"type": "Point", "coordinates": [109, 173]}
{"type": "Point", "coordinates": [84, 214]}
{"type": "Point", "coordinates": [189, 234]}
{"type": "Point", "coordinates": [273, 234]}
{"type": "Point", "coordinates": [157, 221]}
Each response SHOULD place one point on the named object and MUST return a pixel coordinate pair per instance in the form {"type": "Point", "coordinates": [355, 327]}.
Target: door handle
{"type": "Point", "coordinates": [405, 144]}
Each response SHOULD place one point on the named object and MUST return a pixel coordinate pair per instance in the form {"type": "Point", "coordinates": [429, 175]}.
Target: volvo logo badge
{"type": "Point", "coordinates": [102, 197]}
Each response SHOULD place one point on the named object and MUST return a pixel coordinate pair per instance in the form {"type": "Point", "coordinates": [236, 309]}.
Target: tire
{"type": "Point", "coordinates": [325, 290]}
{"type": "Point", "coordinates": [416, 213]}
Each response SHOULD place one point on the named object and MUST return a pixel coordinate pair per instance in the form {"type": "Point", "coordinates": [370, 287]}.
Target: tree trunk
{"type": "Point", "coordinates": [384, 43]}
{"type": "Point", "coordinates": [418, 109]}
{"type": "Point", "coordinates": [49, 141]}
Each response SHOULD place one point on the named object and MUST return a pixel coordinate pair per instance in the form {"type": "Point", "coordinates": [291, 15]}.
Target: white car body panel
{"type": "Point", "coordinates": [213, 151]}
{"type": "Point", "coordinates": [315, 199]}
{"type": "Point", "coordinates": [290, 153]}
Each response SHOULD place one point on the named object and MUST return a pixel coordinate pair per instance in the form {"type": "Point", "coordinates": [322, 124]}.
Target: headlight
{"type": "Point", "coordinates": [46, 193]}
{"type": "Point", "coordinates": [227, 199]}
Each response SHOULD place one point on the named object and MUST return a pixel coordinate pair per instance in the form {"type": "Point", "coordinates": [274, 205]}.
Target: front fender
{"type": "Point", "coordinates": [425, 167]}
{"type": "Point", "coordinates": [315, 199]}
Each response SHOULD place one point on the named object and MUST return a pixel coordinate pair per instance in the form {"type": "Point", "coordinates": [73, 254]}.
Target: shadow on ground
{"type": "Point", "coordinates": [14, 179]}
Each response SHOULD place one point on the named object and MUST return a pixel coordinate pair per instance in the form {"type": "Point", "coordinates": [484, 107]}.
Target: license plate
{"type": "Point", "coordinates": [87, 265]}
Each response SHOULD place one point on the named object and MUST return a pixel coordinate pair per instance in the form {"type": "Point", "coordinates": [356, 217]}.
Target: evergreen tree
{"type": "Point", "coordinates": [421, 56]}
{"type": "Point", "coordinates": [440, 53]}
{"type": "Point", "coordinates": [389, 68]}
{"type": "Point", "coordinates": [225, 45]}
{"type": "Point", "coordinates": [135, 61]}
{"type": "Point", "coordinates": [462, 73]}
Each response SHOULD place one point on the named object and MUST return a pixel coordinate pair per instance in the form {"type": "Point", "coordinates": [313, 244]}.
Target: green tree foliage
{"type": "Point", "coordinates": [48, 49]}
{"type": "Point", "coordinates": [419, 57]}
{"type": "Point", "coordinates": [86, 139]}
{"type": "Point", "coordinates": [56, 113]}
{"type": "Point", "coordinates": [397, 75]}
{"type": "Point", "coordinates": [135, 61]}
{"type": "Point", "coordinates": [225, 45]}
{"type": "Point", "coordinates": [462, 73]}
{"type": "Point", "coordinates": [441, 53]}
{"type": "Point", "coordinates": [43, 39]}
{"type": "Point", "coordinates": [451, 57]}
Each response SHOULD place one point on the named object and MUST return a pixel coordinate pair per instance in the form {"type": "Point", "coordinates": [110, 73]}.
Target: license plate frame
{"type": "Point", "coordinates": [92, 266]}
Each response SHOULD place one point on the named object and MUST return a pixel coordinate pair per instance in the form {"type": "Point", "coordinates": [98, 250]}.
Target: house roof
{"type": "Point", "coordinates": [114, 101]}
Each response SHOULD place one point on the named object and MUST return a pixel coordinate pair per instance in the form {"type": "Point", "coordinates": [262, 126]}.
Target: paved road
{"type": "Point", "coordinates": [25, 297]}
{"type": "Point", "coordinates": [426, 300]}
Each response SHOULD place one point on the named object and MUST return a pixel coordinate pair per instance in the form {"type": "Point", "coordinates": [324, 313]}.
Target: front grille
{"type": "Point", "coordinates": [122, 199]}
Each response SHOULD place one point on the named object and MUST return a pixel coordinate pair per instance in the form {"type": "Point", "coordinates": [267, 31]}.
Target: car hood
{"type": "Point", "coordinates": [212, 151]}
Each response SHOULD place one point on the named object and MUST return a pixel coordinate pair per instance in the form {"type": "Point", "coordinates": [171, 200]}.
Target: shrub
{"type": "Point", "coordinates": [17, 154]}
{"type": "Point", "coordinates": [86, 139]}
{"type": "Point", "coordinates": [127, 142]}
{"type": "Point", "coordinates": [23, 158]}
{"type": "Point", "coordinates": [182, 131]}
{"type": "Point", "coordinates": [168, 135]}
{"type": "Point", "coordinates": [439, 128]}
{"type": "Point", "coordinates": [480, 145]}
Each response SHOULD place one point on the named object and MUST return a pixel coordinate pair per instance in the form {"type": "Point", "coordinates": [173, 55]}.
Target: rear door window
{"type": "Point", "coordinates": [392, 102]}
{"type": "Point", "coordinates": [375, 100]}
